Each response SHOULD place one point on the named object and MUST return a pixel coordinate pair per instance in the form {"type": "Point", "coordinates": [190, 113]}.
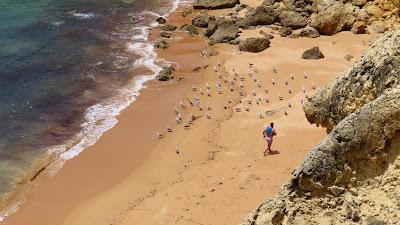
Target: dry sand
{"type": "Point", "coordinates": [130, 177]}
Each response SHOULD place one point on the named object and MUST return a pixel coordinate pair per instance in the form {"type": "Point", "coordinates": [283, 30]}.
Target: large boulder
{"type": "Point", "coordinates": [379, 26]}
{"type": "Point", "coordinates": [285, 31]}
{"type": "Point", "coordinates": [310, 32]}
{"type": "Point", "coordinates": [293, 19]}
{"type": "Point", "coordinates": [201, 20]}
{"type": "Point", "coordinates": [227, 30]}
{"type": "Point", "coordinates": [260, 16]}
{"type": "Point", "coordinates": [333, 20]}
{"type": "Point", "coordinates": [212, 26]}
{"type": "Point", "coordinates": [215, 4]}
{"type": "Point", "coordinates": [166, 73]}
{"type": "Point", "coordinates": [254, 44]}
{"type": "Point", "coordinates": [359, 27]}
{"type": "Point", "coordinates": [312, 53]}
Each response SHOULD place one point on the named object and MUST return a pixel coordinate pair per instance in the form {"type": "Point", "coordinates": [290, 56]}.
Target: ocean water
{"type": "Point", "coordinates": [67, 68]}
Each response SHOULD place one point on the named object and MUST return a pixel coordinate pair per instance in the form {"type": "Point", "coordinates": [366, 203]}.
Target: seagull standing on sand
{"type": "Point", "coordinates": [169, 129]}
{"type": "Point", "coordinates": [286, 81]}
{"type": "Point", "coordinates": [182, 104]}
{"type": "Point", "coordinates": [313, 85]}
{"type": "Point", "coordinates": [305, 75]}
{"type": "Point", "coordinates": [274, 69]}
{"type": "Point", "coordinates": [289, 104]}
{"type": "Point", "coordinates": [289, 90]}
{"type": "Point", "coordinates": [177, 149]}
{"type": "Point", "coordinates": [304, 89]}
{"type": "Point", "coordinates": [159, 135]}
{"type": "Point", "coordinates": [292, 77]}
{"type": "Point", "coordinates": [273, 81]}
{"type": "Point", "coordinates": [207, 86]}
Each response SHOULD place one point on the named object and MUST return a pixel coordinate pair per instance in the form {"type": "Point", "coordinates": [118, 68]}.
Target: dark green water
{"type": "Point", "coordinates": [60, 60]}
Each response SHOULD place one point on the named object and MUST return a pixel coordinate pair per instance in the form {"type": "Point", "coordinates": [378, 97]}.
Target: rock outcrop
{"type": "Point", "coordinates": [214, 4]}
{"type": "Point", "coordinates": [260, 16]}
{"type": "Point", "coordinates": [312, 53]}
{"type": "Point", "coordinates": [254, 44]}
{"type": "Point", "coordinates": [226, 31]}
{"type": "Point", "coordinates": [166, 73]}
{"type": "Point", "coordinates": [351, 177]}
{"type": "Point", "coordinates": [292, 19]}
{"type": "Point", "coordinates": [201, 20]}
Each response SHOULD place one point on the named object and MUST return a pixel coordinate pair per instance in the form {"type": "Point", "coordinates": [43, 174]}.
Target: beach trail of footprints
{"type": "Point", "coordinates": [235, 83]}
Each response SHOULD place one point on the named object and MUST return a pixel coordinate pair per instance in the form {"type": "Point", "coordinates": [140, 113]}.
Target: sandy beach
{"type": "Point", "coordinates": [220, 174]}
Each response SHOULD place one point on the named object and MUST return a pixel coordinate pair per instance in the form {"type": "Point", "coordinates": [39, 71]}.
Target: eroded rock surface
{"type": "Point", "coordinates": [351, 177]}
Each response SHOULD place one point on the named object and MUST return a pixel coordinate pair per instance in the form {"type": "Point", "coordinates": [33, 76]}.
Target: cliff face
{"type": "Point", "coordinates": [352, 176]}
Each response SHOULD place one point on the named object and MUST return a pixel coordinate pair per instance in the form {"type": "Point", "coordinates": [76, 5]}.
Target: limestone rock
{"type": "Point", "coordinates": [161, 20]}
{"type": "Point", "coordinates": [310, 32]}
{"type": "Point", "coordinates": [373, 10]}
{"type": "Point", "coordinates": [359, 27]}
{"type": "Point", "coordinates": [226, 31]}
{"type": "Point", "coordinates": [359, 3]}
{"type": "Point", "coordinates": [162, 44]}
{"type": "Point", "coordinates": [201, 20]}
{"type": "Point", "coordinates": [165, 34]}
{"type": "Point", "coordinates": [254, 44]}
{"type": "Point", "coordinates": [379, 26]}
{"type": "Point", "coordinates": [166, 73]}
{"type": "Point", "coordinates": [187, 11]}
{"type": "Point", "coordinates": [192, 30]}
{"type": "Point", "coordinates": [168, 27]}
{"type": "Point", "coordinates": [292, 19]}
{"type": "Point", "coordinates": [260, 16]}
{"type": "Point", "coordinates": [312, 53]}
{"type": "Point", "coordinates": [285, 31]}
{"type": "Point", "coordinates": [215, 4]}
{"type": "Point", "coordinates": [333, 20]}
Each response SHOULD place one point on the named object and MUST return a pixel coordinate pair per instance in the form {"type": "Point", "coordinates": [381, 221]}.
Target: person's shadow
{"type": "Point", "coordinates": [274, 152]}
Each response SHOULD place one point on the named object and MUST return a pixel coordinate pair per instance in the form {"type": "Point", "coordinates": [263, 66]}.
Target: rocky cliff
{"type": "Point", "coordinates": [353, 175]}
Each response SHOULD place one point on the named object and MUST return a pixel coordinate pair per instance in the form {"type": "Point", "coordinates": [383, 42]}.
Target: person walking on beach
{"type": "Point", "coordinates": [268, 134]}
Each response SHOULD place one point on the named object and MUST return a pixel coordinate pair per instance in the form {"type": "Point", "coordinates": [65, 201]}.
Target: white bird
{"type": "Point", "coordinates": [219, 74]}
{"type": "Point", "coordinates": [254, 78]}
{"type": "Point", "coordinates": [159, 135]}
{"type": "Point", "coordinates": [286, 81]}
{"type": "Point", "coordinates": [306, 95]}
{"type": "Point", "coordinates": [289, 90]}
{"type": "Point", "coordinates": [241, 84]}
{"type": "Point", "coordinates": [169, 129]}
{"type": "Point", "coordinates": [261, 115]}
{"type": "Point", "coordinates": [305, 75]}
{"type": "Point", "coordinates": [280, 96]}
{"type": "Point", "coordinates": [208, 93]}
{"type": "Point", "coordinates": [215, 69]}
{"type": "Point", "coordinates": [224, 105]}
{"type": "Point", "coordinates": [200, 107]}
{"type": "Point", "coordinates": [253, 92]}
{"type": "Point", "coordinates": [207, 86]}
{"type": "Point", "coordinates": [177, 149]}
{"type": "Point", "coordinates": [304, 89]}
{"type": "Point", "coordinates": [182, 104]}
{"type": "Point", "coordinates": [289, 104]}
{"type": "Point", "coordinates": [228, 100]}
{"type": "Point", "coordinates": [273, 81]}
{"type": "Point", "coordinates": [266, 100]}
{"type": "Point", "coordinates": [292, 77]}
{"type": "Point", "coordinates": [313, 85]}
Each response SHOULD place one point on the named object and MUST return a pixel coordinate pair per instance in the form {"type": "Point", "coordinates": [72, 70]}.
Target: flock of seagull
{"type": "Point", "coordinates": [235, 84]}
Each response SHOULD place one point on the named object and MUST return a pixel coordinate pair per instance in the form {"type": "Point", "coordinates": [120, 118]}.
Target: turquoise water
{"type": "Point", "coordinates": [57, 58]}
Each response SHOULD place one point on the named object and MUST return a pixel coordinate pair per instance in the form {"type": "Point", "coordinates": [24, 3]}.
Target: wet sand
{"type": "Point", "coordinates": [220, 173]}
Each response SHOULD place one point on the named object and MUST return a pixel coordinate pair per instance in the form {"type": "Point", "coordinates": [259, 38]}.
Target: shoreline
{"type": "Point", "coordinates": [123, 175]}
{"type": "Point", "coordinates": [49, 165]}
